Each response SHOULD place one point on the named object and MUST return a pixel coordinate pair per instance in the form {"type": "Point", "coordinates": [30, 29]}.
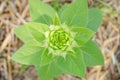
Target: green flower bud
{"type": "Point", "coordinates": [59, 39]}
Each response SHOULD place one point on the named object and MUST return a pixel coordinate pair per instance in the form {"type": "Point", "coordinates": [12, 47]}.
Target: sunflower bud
{"type": "Point", "coordinates": [59, 39]}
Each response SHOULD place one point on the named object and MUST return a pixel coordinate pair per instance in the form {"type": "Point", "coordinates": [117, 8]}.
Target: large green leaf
{"type": "Point", "coordinates": [49, 71]}
{"type": "Point", "coordinates": [75, 14]}
{"type": "Point", "coordinates": [23, 34]}
{"type": "Point", "coordinates": [92, 54]}
{"type": "Point", "coordinates": [31, 31]}
{"type": "Point", "coordinates": [82, 35]}
{"type": "Point", "coordinates": [46, 58]}
{"type": "Point", "coordinates": [37, 26]}
{"type": "Point", "coordinates": [41, 12]}
{"type": "Point", "coordinates": [94, 19]}
{"type": "Point", "coordinates": [37, 30]}
{"type": "Point", "coordinates": [73, 65]}
{"type": "Point", "coordinates": [62, 9]}
{"type": "Point", "coordinates": [29, 54]}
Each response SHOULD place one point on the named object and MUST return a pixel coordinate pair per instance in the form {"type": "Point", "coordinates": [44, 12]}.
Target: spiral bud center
{"type": "Point", "coordinates": [59, 39]}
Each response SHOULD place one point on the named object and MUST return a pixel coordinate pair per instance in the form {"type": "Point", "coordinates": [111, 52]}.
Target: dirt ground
{"type": "Point", "coordinates": [16, 12]}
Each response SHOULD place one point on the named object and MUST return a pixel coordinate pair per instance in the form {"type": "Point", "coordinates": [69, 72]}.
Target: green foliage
{"type": "Point", "coordinates": [27, 54]}
{"type": "Point", "coordinates": [94, 19]}
{"type": "Point", "coordinates": [92, 54]}
{"type": "Point", "coordinates": [83, 35]}
{"type": "Point", "coordinates": [75, 26]}
{"type": "Point", "coordinates": [75, 14]}
{"type": "Point", "coordinates": [41, 12]}
{"type": "Point", "coordinates": [46, 58]}
{"type": "Point", "coordinates": [56, 20]}
{"type": "Point", "coordinates": [73, 64]}
{"type": "Point", "coordinates": [23, 34]}
{"type": "Point", "coordinates": [49, 71]}
{"type": "Point", "coordinates": [31, 31]}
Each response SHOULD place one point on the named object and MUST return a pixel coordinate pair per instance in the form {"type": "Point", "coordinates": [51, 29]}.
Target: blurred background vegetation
{"type": "Point", "coordinates": [16, 12]}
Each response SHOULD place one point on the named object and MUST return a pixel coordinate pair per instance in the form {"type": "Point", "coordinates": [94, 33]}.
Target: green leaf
{"type": "Point", "coordinates": [57, 20]}
{"type": "Point", "coordinates": [41, 12]}
{"type": "Point", "coordinates": [46, 58]}
{"type": "Point", "coordinates": [49, 71]}
{"type": "Point", "coordinates": [62, 8]}
{"type": "Point", "coordinates": [29, 54]}
{"type": "Point", "coordinates": [38, 26]}
{"type": "Point", "coordinates": [75, 14]}
{"type": "Point", "coordinates": [94, 19]}
{"type": "Point", "coordinates": [73, 65]}
{"type": "Point", "coordinates": [82, 35]}
{"type": "Point", "coordinates": [37, 30]}
{"type": "Point", "coordinates": [92, 54]}
{"type": "Point", "coordinates": [23, 34]}
{"type": "Point", "coordinates": [31, 31]}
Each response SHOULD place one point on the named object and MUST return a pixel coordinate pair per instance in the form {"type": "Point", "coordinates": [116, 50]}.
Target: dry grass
{"type": "Point", "coordinates": [16, 12]}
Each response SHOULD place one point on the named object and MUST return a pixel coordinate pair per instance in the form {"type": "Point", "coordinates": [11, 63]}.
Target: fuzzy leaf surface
{"type": "Point", "coordinates": [41, 12]}
{"type": "Point", "coordinates": [31, 31]}
{"type": "Point", "coordinates": [73, 65]}
{"type": "Point", "coordinates": [82, 35]}
{"type": "Point", "coordinates": [92, 54]}
{"type": "Point", "coordinates": [29, 54]}
{"type": "Point", "coordinates": [75, 14]}
{"type": "Point", "coordinates": [94, 19]}
{"type": "Point", "coordinates": [46, 58]}
{"type": "Point", "coordinates": [48, 72]}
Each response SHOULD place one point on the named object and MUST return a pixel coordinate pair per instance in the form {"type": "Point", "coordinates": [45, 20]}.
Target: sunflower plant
{"type": "Point", "coordinates": [60, 42]}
